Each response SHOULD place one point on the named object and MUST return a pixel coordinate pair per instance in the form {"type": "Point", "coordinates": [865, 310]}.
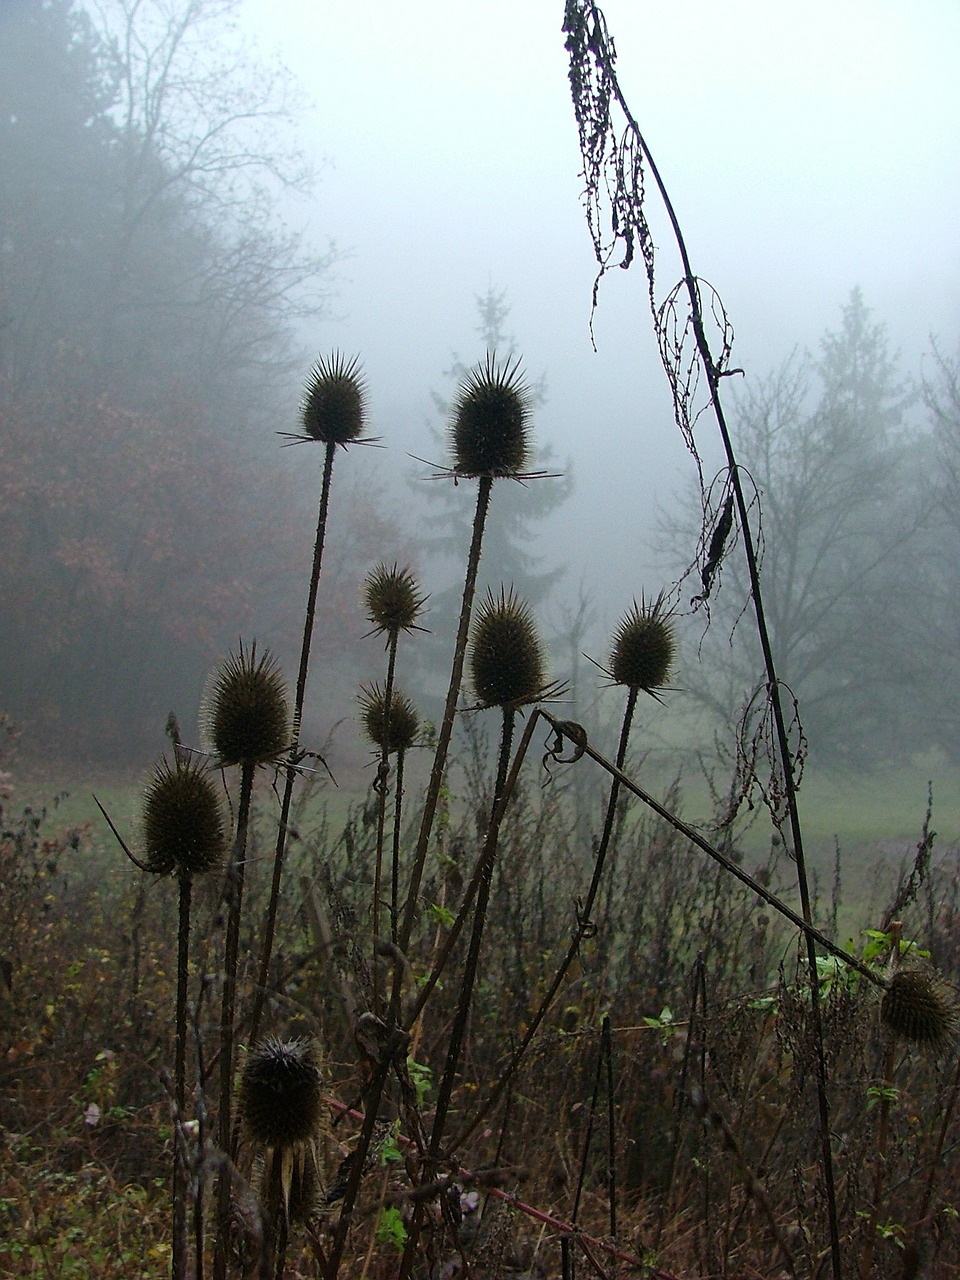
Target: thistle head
{"type": "Point", "coordinates": [280, 1102]}
{"type": "Point", "coordinates": [392, 599]}
{"type": "Point", "coordinates": [917, 1006]}
{"type": "Point", "coordinates": [489, 431]}
{"type": "Point", "coordinates": [507, 657]}
{"type": "Point", "coordinates": [333, 408]}
{"type": "Point", "coordinates": [182, 821]}
{"type": "Point", "coordinates": [390, 726]}
{"type": "Point", "coordinates": [244, 714]}
{"type": "Point", "coordinates": [643, 649]}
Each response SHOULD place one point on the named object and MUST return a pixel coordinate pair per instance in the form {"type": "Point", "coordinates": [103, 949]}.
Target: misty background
{"type": "Point", "coordinates": [199, 196]}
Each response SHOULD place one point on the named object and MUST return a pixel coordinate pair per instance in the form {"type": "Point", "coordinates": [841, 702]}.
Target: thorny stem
{"type": "Point", "coordinates": [234, 894]}
{"type": "Point", "coordinates": [713, 373]}
{"type": "Point", "coordinates": [466, 987]}
{"type": "Point", "coordinates": [376, 1084]}
{"type": "Point", "coordinates": [476, 937]}
{"type": "Point", "coordinates": [584, 925]}
{"type": "Point", "coordinates": [179, 1260]}
{"type": "Point", "coordinates": [446, 727]}
{"type": "Point", "coordinates": [471, 889]}
{"type": "Point", "coordinates": [383, 773]}
{"type": "Point", "coordinates": [270, 923]}
{"type": "Point", "coordinates": [883, 1131]}
{"type": "Point", "coordinates": [397, 831]}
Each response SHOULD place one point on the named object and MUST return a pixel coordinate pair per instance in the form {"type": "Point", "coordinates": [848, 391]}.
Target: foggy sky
{"type": "Point", "coordinates": [807, 149]}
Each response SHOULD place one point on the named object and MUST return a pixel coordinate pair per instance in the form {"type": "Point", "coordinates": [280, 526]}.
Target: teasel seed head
{"type": "Point", "coordinates": [398, 732]}
{"type": "Point", "coordinates": [392, 599]}
{"type": "Point", "coordinates": [489, 431]}
{"type": "Point", "coordinates": [244, 714]}
{"type": "Point", "coordinates": [280, 1101]}
{"type": "Point", "coordinates": [643, 648]}
{"type": "Point", "coordinates": [182, 820]}
{"type": "Point", "coordinates": [507, 660]}
{"type": "Point", "coordinates": [917, 1006]}
{"type": "Point", "coordinates": [333, 409]}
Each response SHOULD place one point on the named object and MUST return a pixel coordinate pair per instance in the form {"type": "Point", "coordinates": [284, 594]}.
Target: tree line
{"type": "Point", "coordinates": [149, 298]}
{"type": "Point", "coordinates": [853, 466]}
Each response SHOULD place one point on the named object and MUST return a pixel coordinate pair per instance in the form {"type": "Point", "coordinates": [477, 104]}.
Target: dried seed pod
{"type": "Point", "coordinates": [333, 409]}
{"type": "Point", "coordinates": [244, 715]}
{"type": "Point", "coordinates": [917, 1006]}
{"type": "Point", "coordinates": [280, 1100]}
{"type": "Point", "coordinates": [489, 432]}
{"type": "Point", "coordinates": [182, 821]}
{"type": "Point", "coordinates": [394, 732]}
{"type": "Point", "coordinates": [643, 648]}
{"type": "Point", "coordinates": [392, 599]}
{"type": "Point", "coordinates": [507, 661]}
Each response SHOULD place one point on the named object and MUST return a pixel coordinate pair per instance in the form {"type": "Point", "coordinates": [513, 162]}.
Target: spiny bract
{"type": "Point", "coordinates": [182, 821]}
{"type": "Point", "coordinates": [333, 409]}
{"type": "Point", "coordinates": [507, 661]}
{"type": "Point", "coordinates": [489, 432]}
{"type": "Point", "coordinates": [244, 714]}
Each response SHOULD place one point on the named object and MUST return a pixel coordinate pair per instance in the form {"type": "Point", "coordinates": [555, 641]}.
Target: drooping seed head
{"type": "Point", "coordinates": [489, 432]}
{"type": "Point", "coordinates": [917, 1006]}
{"type": "Point", "coordinates": [244, 714]}
{"type": "Point", "coordinates": [643, 648]}
{"type": "Point", "coordinates": [280, 1102]}
{"type": "Point", "coordinates": [182, 820]}
{"type": "Point", "coordinates": [392, 599]}
{"type": "Point", "coordinates": [394, 732]}
{"type": "Point", "coordinates": [507, 660]}
{"type": "Point", "coordinates": [333, 409]}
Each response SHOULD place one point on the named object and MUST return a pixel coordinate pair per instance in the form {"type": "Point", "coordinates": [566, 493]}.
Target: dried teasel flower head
{"type": "Point", "coordinates": [490, 425]}
{"type": "Point", "coordinates": [507, 658]}
{"type": "Point", "coordinates": [396, 731]}
{"type": "Point", "coordinates": [643, 648]}
{"type": "Point", "coordinates": [244, 714]}
{"type": "Point", "coordinates": [182, 820]}
{"type": "Point", "coordinates": [280, 1101]}
{"type": "Point", "coordinates": [917, 1006]}
{"type": "Point", "coordinates": [392, 599]}
{"type": "Point", "coordinates": [333, 409]}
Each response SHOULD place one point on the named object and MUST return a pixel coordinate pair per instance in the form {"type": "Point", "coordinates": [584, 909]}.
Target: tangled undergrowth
{"type": "Point", "coordinates": [681, 1034]}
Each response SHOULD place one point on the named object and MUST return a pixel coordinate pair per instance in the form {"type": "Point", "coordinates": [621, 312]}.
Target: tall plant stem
{"type": "Point", "coordinates": [383, 773]}
{"type": "Point", "coordinates": [883, 1130]}
{"type": "Point", "coordinates": [397, 832]}
{"type": "Point", "coordinates": [234, 893]}
{"type": "Point", "coordinates": [376, 1084]}
{"type": "Point", "coordinates": [473, 885]}
{"type": "Point", "coordinates": [465, 996]}
{"type": "Point", "coordinates": [290, 774]}
{"type": "Point", "coordinates": [714, 374]}
{"type": "Point", "coordinates": [583, 925]}
{"type": "Point", "coordinates": [179, 1261]}
{"type": "Point", "coordinates": [476, 938]}
{"type": "Point", "coordinates": [449, 712]}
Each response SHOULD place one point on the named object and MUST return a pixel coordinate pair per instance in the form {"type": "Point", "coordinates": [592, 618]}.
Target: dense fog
{"type": "Point", "coordinates": [217, 192]}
